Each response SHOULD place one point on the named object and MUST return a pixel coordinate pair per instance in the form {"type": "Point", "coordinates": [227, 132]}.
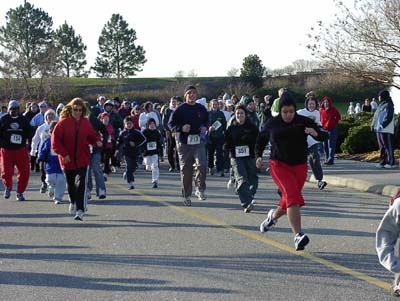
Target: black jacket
{"type": "Point", "coordinates": [241, 135]}
{"type": "Point", "coordinates": [288, 140]}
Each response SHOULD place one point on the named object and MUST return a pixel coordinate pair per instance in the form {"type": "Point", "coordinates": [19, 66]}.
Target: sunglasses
{"type": "Point", "coordinates": [77, 110]}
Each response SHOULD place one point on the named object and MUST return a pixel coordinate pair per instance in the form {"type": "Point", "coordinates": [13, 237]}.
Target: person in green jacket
{"type": "Point", "coordinates": [217, 129]}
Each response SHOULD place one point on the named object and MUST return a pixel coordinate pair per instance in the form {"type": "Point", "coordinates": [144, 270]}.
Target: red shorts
{"type": "Point", "coordinates": [290, 180]}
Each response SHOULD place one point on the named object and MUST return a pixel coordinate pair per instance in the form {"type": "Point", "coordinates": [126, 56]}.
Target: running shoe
{"type": "Point", "coordinates": [187, 201]}
{"type": "Point", "coordinates": [155, 185]}
{"type": "Point", "coordinates": [321, 185]}
{"type": "Point", "coordinates": [51, 193]}
{"type": "Point", "coordinates": [388, 166]}
{"type": "Point", "coordinates": [57, 201]}
{"type": "Point", "coordinates": [269, 222]}
{"type": "Point", "coordinates": [7, 193]}
{"type": "Point", "coordinates": [79, 215]}
{"type": "Point", "coordinates": [72, 209]}
{"type": "Point", "coordinates": [43, 188]}
{"type": "Point", "coordinates": [20, 197]}
{"type": "Point", "coordinates": [249, 208]}
{"type": "Point", "coordinates": [300, 241]}
{"type": "Point", "coordinates": [200, 195]}
{"type": "Point", "coordinates": [395, 287]}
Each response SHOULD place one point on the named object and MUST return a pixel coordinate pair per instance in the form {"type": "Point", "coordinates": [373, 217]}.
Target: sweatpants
{"type": "Point", "coordinates": [130, 168]}
{"type": "Point", "coordinates": [76, 184]}
{"type": "Point", "coordinates": [386, 147]}
{"type": "Point", "coordinates": [290, 180]}
{"type": "Point", "coordinates": [56, 182]}
{"type": "Point", "coordinates": [152, 161]}
{"type": "Point", "coordinates": [314, 160]}
{"type": "Point", "coordinates": [245, 173]}
{"type": "Point", "coordinates": [190, 155]}
{"type": "Point", "coordinates": [20, 159]}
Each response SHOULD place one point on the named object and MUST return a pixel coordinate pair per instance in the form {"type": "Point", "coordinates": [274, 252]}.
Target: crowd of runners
{"type": "Point", "coordinates": [75, 144]}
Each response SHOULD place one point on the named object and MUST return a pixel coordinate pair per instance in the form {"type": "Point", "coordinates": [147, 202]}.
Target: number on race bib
{"type": "Point", "coordinates": [151, 145]}
{"type": "Point", "coordinates": [193, 139]}
{"type": "Point", "coordinates": [242, 151]}
{"type": "Point", "coordinates": [16, 139]}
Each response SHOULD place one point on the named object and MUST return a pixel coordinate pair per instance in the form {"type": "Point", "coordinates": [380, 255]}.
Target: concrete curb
{"type": "Point", "coordinates": [361, 185]}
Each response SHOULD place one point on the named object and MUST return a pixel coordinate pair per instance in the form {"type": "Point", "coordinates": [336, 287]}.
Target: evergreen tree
{"type": "Point", "coordinates": [118, 56]}
{"type": "Point", "coordinates": [252, 70]}
{"type": "Point", "coordinates": [72, 50]}
{"type": "Point", "coordinates": [26, 39]}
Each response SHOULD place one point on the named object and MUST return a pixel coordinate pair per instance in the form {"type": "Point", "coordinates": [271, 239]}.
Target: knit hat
{"type": "Point", "coordinates": [103, 115]}
{"type": "Point", "coordinates": [248, 100]}
{"type": "Point", "coordinates": [287, 99]}
{"type": "Point", "coordinates": [384, 94]}
{"type": "Point", "coordinates": [188, 88]}
{"type": "Point", "coordinates": [13, 104]}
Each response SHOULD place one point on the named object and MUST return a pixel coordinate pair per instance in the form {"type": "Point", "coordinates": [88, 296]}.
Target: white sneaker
{"type": "Point", "coordinates": [200, 195]}
{"type": "Point", "coordinates": [131, 186]}
{"type": "Point", "coordinates": [51, 192]}
{"type": "Point", "coordinates": [79, 215]}
{"type": "Point", "coordinates": [57, 201]}
{"type": "Point", "coordinates": [269, 222]}
{"type": "Point", "coordinates": [388, 166]}
{"type": "Point", "coordinates": [72, 209]}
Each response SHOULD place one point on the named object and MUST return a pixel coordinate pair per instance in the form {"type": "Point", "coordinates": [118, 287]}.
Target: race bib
{"type": "Point", "coordinates": [242, 151]}
{"type": "Point", "coordinates": [193, 139]}
{"type": "Point", "coordinates": [16, 139]}
{"type": "Point", "coordinates": [151, 145]}
{"type": "Point", "coordinates": [217, 125]}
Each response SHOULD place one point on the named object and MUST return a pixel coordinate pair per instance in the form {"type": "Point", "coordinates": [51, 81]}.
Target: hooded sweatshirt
{"type": "Point", "coordinates": [41, 134]}
{"type": "Point", "coordinates": [329, 117]}
{"type": "Point", "coordinates": [386, 237]}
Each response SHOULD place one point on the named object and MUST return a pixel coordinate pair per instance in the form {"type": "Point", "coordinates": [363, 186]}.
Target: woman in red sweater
{"type": "Point", "coordinates": [70, 140]}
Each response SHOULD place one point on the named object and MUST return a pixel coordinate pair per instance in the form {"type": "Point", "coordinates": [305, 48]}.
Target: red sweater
{"type": "Point", "coordinates": [331, 117]}
{"type": "Point", "coordinates": [72, 137]}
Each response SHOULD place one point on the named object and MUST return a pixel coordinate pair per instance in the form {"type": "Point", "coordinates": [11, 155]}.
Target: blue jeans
{"type": "Point", "coordinates": [330, 146]}
{"type": "Point", "coordinates": [95, 167]}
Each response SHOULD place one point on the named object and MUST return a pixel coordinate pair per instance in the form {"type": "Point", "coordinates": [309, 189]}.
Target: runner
{"type": "Point", "coordinates": [240, 140]}
{"type": "Point", "coordinates": [152, 149]}
{"type": "Point", "coordinates": [287, 134]}
{"type": "Point", "coordinates": [189, 122]}
{"type": "Point", "coordinates": [129, 142]}
{"type": "Point", "coordinates": [313, 145]}
{"type": "Point", "coordinates": [70, 140]}
{"type": "Point", "coordinates": [14, 132]}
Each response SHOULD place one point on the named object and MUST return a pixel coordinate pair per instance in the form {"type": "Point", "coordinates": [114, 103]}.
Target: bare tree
{"type": "Point", "coordinates": [233, 72]}
{"type": "Point", "coordinates": [363, 41]}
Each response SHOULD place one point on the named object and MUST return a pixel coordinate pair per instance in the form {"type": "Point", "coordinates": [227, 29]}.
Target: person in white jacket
{"type": "Point", "coordinates": [42, 132]}
{"type": "Point", "coordinates": [146, 115]}
{"type": "Point", "coordinates": [311, 112]}
{"type": "Point", "coordinates": [386, 238]}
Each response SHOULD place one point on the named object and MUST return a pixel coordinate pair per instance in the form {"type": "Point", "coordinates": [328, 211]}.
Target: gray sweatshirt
{"type": "Point", "coordinates": [386, 237]}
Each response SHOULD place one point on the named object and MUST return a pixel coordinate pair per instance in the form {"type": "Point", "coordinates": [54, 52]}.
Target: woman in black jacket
{"type": "Point", "coordinates": [287, 134]}
{"type": "Point", "coordinates": [240, 140]}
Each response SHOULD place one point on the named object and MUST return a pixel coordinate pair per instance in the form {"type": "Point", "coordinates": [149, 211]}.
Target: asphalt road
{"type": "Point", "coordinates": [145, 245]}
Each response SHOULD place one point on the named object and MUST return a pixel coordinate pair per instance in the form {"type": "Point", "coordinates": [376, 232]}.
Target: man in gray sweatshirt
{"type": "Point", "coordinates": [386, 237]}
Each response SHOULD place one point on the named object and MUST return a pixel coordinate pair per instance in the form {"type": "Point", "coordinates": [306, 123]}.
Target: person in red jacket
{"type": "Point", "coordinates": [70, 140]}
{"type": "Point", "coordinates": [330, 118]}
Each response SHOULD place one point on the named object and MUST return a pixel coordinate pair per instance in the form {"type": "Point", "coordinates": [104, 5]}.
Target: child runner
{"type": "Point", "coordinates": [55, 177]}
{"type": "Point", "coordinates": [108, 147]}
{"type": "Point", "coordinates": [128, 143]}
{"type": "Point", "coordinates": [151, 149]}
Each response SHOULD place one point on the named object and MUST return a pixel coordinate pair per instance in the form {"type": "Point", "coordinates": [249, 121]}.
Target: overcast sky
{"type": "Point", "coordinates": [207, 36]}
